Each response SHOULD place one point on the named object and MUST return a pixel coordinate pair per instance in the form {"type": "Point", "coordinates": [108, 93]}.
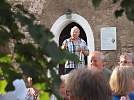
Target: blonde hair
{"type": "Point", "coordinates": [121, 79]}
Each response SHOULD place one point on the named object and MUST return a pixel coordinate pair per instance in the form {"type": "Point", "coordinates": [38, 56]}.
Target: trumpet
{"type": "Point", "coordinates": [78, 52]}
{"type": "Point", "coordinates": [80, 58]}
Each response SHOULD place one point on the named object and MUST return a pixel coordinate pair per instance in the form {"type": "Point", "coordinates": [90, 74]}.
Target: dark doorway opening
{"type": "Point", "coordinates": [66, 34]}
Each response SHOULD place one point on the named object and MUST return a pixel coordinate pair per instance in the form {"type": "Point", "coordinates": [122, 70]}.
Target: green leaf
{"type": "Point", "coordinates": [53, 51]}
{"type": "Point", "coordinates": [56, 84]}
{"type": "Point", "coordinates": [10, 75]}
{"type": "Point", "coordinates": [32, 69]}
{"type": "Point", "coordinates": [15, 34]}
{"type": "Point", "coordinates": [21, 8]}
{"type": "Point", "coordinates": [50, 35]}
{"type": "Point", "coordinates": [38, 34]}
{"type": "Point", "coordinates": [5, 59]}
{"type": "Point", "coordinates": [124, 3]}
{"type": "Point", "coordinates": [70, 56]}
{"type": "Point", "coordinates": [128, 5]}
{"type": "Point", "coordinates": [23, 19]}
{"type": "Point", "coordinates": [115, 1]}
{"type": "Point", "coordinates": [4, 37]}
{"type": "Point", "coordinates": [118, 13]}
{"type": "Point", "coordinates": [44, 96]}
{"type": "Point", "coordinates": [25, 49]}
{"type": "Point", "coordinates": [130, 15]}
{"type": "Point", "coordinates": [96, 3]}
{"type": "Point", "coordinates": [3, 84]}
{"type": "Point", "coordinates": [51, 64]}
{"type": "Point", "coordinates": [40, 85]}
{"type": "Point", "coordinates": [6, 13]}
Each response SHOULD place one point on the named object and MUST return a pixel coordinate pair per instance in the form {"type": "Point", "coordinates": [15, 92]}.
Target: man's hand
{"type": "Point", "coordinates": [29, 79]}
{"type": "Point", "coordinates": [64, 46]}
{"type": "Point", "coordinates": [81, 49]}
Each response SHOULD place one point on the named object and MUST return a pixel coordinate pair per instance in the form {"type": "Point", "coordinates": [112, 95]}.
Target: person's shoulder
{"type": "Point", "coordinates": [131, 94]}
{"type": "Point", "coordinates": [68, 39]}
{"type": "Point", "coordinates": [82, 39]}
{"type": "Point", "coordinates": [115, 97]}
{"type": "Point", "coordinates": [53, 97]}
{"type": "Point", "coordinates": [106, 69]}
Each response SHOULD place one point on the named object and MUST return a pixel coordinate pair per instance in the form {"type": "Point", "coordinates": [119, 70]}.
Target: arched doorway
{"type": "Point", "coordinates": [66, 34]}
{"type": "Point", "coordinates": [62, 22]}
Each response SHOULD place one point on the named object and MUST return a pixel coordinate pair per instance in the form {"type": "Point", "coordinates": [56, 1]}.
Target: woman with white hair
{"type": "Point", "coordinates": [63, 86]}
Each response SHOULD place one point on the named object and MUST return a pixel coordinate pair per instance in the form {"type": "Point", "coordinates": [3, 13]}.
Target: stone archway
{"type": "Point", "coordinates": [62, 22]}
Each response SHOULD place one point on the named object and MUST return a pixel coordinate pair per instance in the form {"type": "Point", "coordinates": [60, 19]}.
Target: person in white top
{"type": "Point", "coordinates": [21, 92]}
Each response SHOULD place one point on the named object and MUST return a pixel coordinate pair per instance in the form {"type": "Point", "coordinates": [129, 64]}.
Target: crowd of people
{"type": "Point", "coordinates": [81, 82]}
{"type": "Point", "coordinates": [96, 82]}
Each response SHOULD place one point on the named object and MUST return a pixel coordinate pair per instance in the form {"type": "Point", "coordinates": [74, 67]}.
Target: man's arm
{"type": "Point", "coordinates": [84, 48]}
{"type": "Point", "coordinates": [64, 44]}
{"type": "Point", "coordinates": [85, 52]}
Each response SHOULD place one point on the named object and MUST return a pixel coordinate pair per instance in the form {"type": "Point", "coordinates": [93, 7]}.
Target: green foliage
{"type": "Point", "coordinates": [118, 13]}
{"type": "Point", "coordinates": [3, 84]}
{"type": "Point", "coordinates": [115, 1]}
{"type": "Point", "coordinates": [127, 7]}
{"type": "Point", "coordinates": [32, 59]}
{"type": "Point", "coordinates": [96, 3]}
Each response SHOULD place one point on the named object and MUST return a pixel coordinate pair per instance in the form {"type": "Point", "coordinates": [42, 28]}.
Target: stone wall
{"type": "Point", "coordinates": [48, 11]}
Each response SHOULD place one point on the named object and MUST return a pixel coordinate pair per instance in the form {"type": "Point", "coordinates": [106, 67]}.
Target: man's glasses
{"type": "Point", "coordinates": [68, 93]}
{"type": "Point", "coordinates": [124, 62]}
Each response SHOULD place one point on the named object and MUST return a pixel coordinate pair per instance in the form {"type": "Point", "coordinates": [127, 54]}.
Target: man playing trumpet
{"type": "Point", "coordinates": [77, 46]}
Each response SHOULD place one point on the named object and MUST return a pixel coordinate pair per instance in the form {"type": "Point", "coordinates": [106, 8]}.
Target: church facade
{"type": "Point", "coordinates": [52, 14]}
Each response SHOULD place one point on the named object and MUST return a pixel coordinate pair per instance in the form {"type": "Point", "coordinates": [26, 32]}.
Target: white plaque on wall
{"type": "Point", "coordinates": [108, 38]}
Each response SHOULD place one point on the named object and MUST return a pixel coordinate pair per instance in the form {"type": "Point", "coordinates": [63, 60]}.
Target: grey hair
{"type": "Point", "coordinates": [129, 55]}
{"type": "Point", "coordinates": [88, 83]}
{"type": "Point", "coordinates": [132, 56]}
{"type": "Point", "coordinates": [74, 28]}
{"type": "Point", "coordinates": [101, 56]}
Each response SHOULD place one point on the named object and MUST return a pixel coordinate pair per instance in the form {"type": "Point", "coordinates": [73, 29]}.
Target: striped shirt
{"type": "Point", "coordinates": [73, 48]}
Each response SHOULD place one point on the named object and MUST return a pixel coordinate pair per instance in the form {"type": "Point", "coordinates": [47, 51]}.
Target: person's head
{"type": "Point", "coordinates": [88, 84]}
{"type": "Point", "coordinates": [62, 86]}
{"type": "Point", "coordinates": [127, 59]}
{"type": "Point", "coordinates": [75, 32]}
{"type": "Point", "coordinates": [96, 59]}
{"type": "Point", "coordinates": [122, 80]}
